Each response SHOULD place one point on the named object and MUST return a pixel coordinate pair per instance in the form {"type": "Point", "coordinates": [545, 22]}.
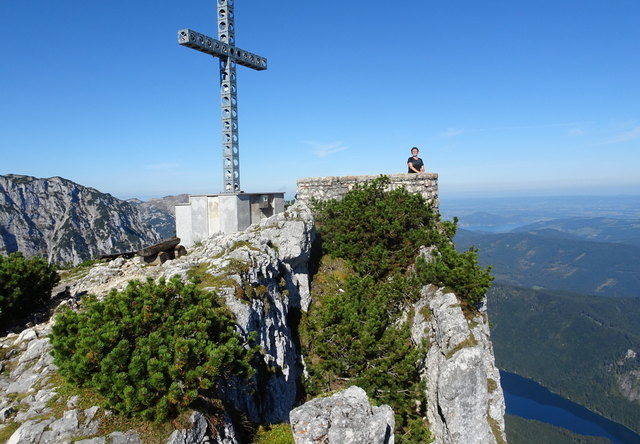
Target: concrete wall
{"type": "Point", "coordinates": [199, 218]}
{"type": "Point", "coordinates": [183, 224]}
{"type": "Point", "coordinates": [208, 214]}
{"type": "Point", "coordinates": [335, 187]}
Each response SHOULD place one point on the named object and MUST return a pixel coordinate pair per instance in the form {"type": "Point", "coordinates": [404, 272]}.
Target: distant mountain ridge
{"type": "Point", "coordinates": [160, 213]}
{"type": "Point", "coordinates": [596, 229]}
{"type": "Point", "coordinates": [67, 222]}
{"type": "Point", "coordinates": [552, 259]}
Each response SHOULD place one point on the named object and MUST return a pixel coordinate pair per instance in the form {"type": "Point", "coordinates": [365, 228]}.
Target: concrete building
{"type": "Point", "coordinates": [207, 214]}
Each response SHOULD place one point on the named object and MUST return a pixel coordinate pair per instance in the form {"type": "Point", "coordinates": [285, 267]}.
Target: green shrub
{"type": "Point", "coordinates": [273, 434]}
{"type": "Point", "coordinates": [152, 349]}
{"type": "Point", "coordinates": [380, 232]}
{"type": "Point", "coordinates": [457, 271]}
{"type": "Point", "coordinates": [377, 231]}
{"type": "Point", "coordinates": [25, 285]}
{"type": "Point", "coordinates": [355, 340]}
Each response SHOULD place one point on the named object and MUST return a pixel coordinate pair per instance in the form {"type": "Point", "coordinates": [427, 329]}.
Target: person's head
{"type": "Point", "coordinates": [414, 151]}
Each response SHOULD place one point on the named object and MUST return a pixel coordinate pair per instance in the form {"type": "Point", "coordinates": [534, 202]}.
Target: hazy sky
{"type": "Point", "coordinates": [501, 96]}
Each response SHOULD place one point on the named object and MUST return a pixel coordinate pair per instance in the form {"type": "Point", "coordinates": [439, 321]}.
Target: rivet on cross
{"type": "Point", "coordinates": [229, 55]}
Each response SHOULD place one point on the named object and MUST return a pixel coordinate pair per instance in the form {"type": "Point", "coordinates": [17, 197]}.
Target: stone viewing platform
{"type": "Point", "coordinates": [335, 187]}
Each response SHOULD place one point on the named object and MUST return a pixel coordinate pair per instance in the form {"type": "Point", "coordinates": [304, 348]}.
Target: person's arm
{"type": "Point", "coordinates": [412, 168]}
{"type": "Point", "coordinates": [422, 168]}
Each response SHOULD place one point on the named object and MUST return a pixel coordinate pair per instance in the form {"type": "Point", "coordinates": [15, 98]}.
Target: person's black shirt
{"type": "Point", "coordinates": [417, 164]}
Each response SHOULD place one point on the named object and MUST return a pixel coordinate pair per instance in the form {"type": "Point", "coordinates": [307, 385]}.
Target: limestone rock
{"type": "Point", "coordinates": [466, 404]}
{"type": "Point", "coordinates": [257, 269]}
{"type": "Point", "coordinates": [197, 434]}
{"type": "Point", "coordinates": [629, 384]}
{"type": "Point", "coordinates": [344, 418]}
{"type": "Point", "coordinates": [335, 187]}
{"type": "Point", "coordinates": [262, 276]}
{"type": "Point", "coordinates": [226, 433]}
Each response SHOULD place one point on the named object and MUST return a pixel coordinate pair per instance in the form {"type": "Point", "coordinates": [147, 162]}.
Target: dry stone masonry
{"type": "Point", "coordinates": [335, 187]}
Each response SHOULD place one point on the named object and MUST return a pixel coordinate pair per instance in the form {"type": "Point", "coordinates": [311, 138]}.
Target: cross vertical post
{"type": "Point", "coordinates": [229, 101]}
{"type": "Point", "coordinates": [229, 55]}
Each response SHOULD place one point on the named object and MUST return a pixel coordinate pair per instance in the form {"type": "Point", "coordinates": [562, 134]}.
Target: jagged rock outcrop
{"type": "Point", "coordinates": [263, 278]}
{"type": "Point", "coordinates": [627, 377]}
{"type": "Point", "coordinates": [28, 393]}
{"type": "Point", "coordinates": [262, 275]}
{"type": "Point", "coordinates": [66, 222]}
{"type": "Point", "coordinates": [269, 260]}
{"type": "Point", "coordinates": [466, 403]}
{"type": "Point", "coordinates": [343, 418]}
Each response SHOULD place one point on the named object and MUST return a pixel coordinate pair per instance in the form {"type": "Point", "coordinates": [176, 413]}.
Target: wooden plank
{"type": "Point", "coordinates": [126, 255]}
{"type": "Point", "coordinates": [165, 244]}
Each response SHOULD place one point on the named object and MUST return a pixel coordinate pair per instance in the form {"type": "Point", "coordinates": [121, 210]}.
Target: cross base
{"type": "Point", "coordinates": [207, 214]}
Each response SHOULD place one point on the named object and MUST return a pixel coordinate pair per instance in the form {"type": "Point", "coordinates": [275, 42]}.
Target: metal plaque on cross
{"type": "Point", "coordinates": [225, 49]}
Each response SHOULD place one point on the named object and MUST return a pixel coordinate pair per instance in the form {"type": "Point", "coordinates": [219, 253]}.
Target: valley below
{"type": "Point", "coordinates": [565, 303]}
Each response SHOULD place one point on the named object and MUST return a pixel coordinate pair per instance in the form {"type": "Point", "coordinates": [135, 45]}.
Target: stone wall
{"type": "Point", "coordinates": [335, 187]}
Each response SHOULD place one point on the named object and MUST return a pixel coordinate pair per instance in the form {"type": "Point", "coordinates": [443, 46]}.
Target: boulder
{"type": "Point", "coordinates": [344, 418]}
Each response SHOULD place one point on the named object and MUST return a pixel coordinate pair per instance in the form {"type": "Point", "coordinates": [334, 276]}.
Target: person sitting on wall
{"type": "Point", "coordinates": [415, 164]}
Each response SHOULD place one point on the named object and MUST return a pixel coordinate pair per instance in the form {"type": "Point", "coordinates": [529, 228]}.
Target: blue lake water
{"type": "Point", "coordinates": [530, 400]}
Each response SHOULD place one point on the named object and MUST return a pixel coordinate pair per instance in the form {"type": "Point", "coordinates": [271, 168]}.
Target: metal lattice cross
{"type": "Point", "coordinates": [229, 55]}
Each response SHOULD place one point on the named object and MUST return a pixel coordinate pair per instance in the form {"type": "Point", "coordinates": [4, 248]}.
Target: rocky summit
{"type": "Point", "coordinates": [262, 275]}
{"type": "Point", "coordinates": [65, 222]}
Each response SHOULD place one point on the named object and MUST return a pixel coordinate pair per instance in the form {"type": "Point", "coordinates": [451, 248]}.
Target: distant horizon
{"type": "Point", "coordinates": [472, 194]}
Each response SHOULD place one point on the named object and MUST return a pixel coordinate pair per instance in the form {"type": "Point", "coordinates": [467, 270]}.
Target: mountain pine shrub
{"type": "Point", "coordinates": [152, 349]}
{"type": "Point", "coordinates": [352, 337]}
{"type": "Point", "coordinates": [380, 232]}
{"type": "Point", "coordinates": [457, 271]}
{"type": "Point", "coordinates": [377, 231]}
{"type": "Point", "coordinates": [25, 285]}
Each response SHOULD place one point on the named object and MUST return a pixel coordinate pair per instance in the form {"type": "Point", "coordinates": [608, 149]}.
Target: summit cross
{"type": "Point", "coordinates": [225, 49]}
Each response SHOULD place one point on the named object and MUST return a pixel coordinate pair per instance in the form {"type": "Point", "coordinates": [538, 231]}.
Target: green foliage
{"type": "Point", "coordinates": [273, 434]}
{"type": "Point", "coordinates": [351, 338]}
{"type": "Point", "coordinates": [587, 336]}
{"type": "Point", "coordinates": [377, 231]}
{"type": "Point", "coordinates": [380, 232]}
{"type": "Point", "coordinates": [152, 349]}
{"type": "Point", "coordinates": [529, 431]}
{"type": "Point", "coordinates": [25, 285]}
{"type": "Point", "coordinates": [458, 271]}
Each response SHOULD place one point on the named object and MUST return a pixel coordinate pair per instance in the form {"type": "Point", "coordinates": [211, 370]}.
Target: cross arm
{"type": "Point", "coordinates": [216, 48]}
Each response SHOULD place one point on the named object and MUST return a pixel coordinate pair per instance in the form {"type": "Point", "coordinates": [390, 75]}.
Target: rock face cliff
{"type": "Point", "coordinates": [466, 403]}
{"type": "Point", "coordinates": [262, 274]}
{"type": "Point", "coordinates": [66, 222]}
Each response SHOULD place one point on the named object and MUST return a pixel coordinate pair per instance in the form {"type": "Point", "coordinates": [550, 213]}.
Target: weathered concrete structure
{"type": "Point", "coordinates": [335, 187]}
{"type": "Point", "coordinates": [208, 214]}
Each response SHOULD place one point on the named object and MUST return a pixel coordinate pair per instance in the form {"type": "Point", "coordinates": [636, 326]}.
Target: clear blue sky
{"type": "Point", "coordinates": [501, 96]}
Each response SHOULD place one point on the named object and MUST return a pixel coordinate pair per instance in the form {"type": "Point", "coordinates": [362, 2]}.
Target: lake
{"type": "Point", "coordinates": [530, 400]}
